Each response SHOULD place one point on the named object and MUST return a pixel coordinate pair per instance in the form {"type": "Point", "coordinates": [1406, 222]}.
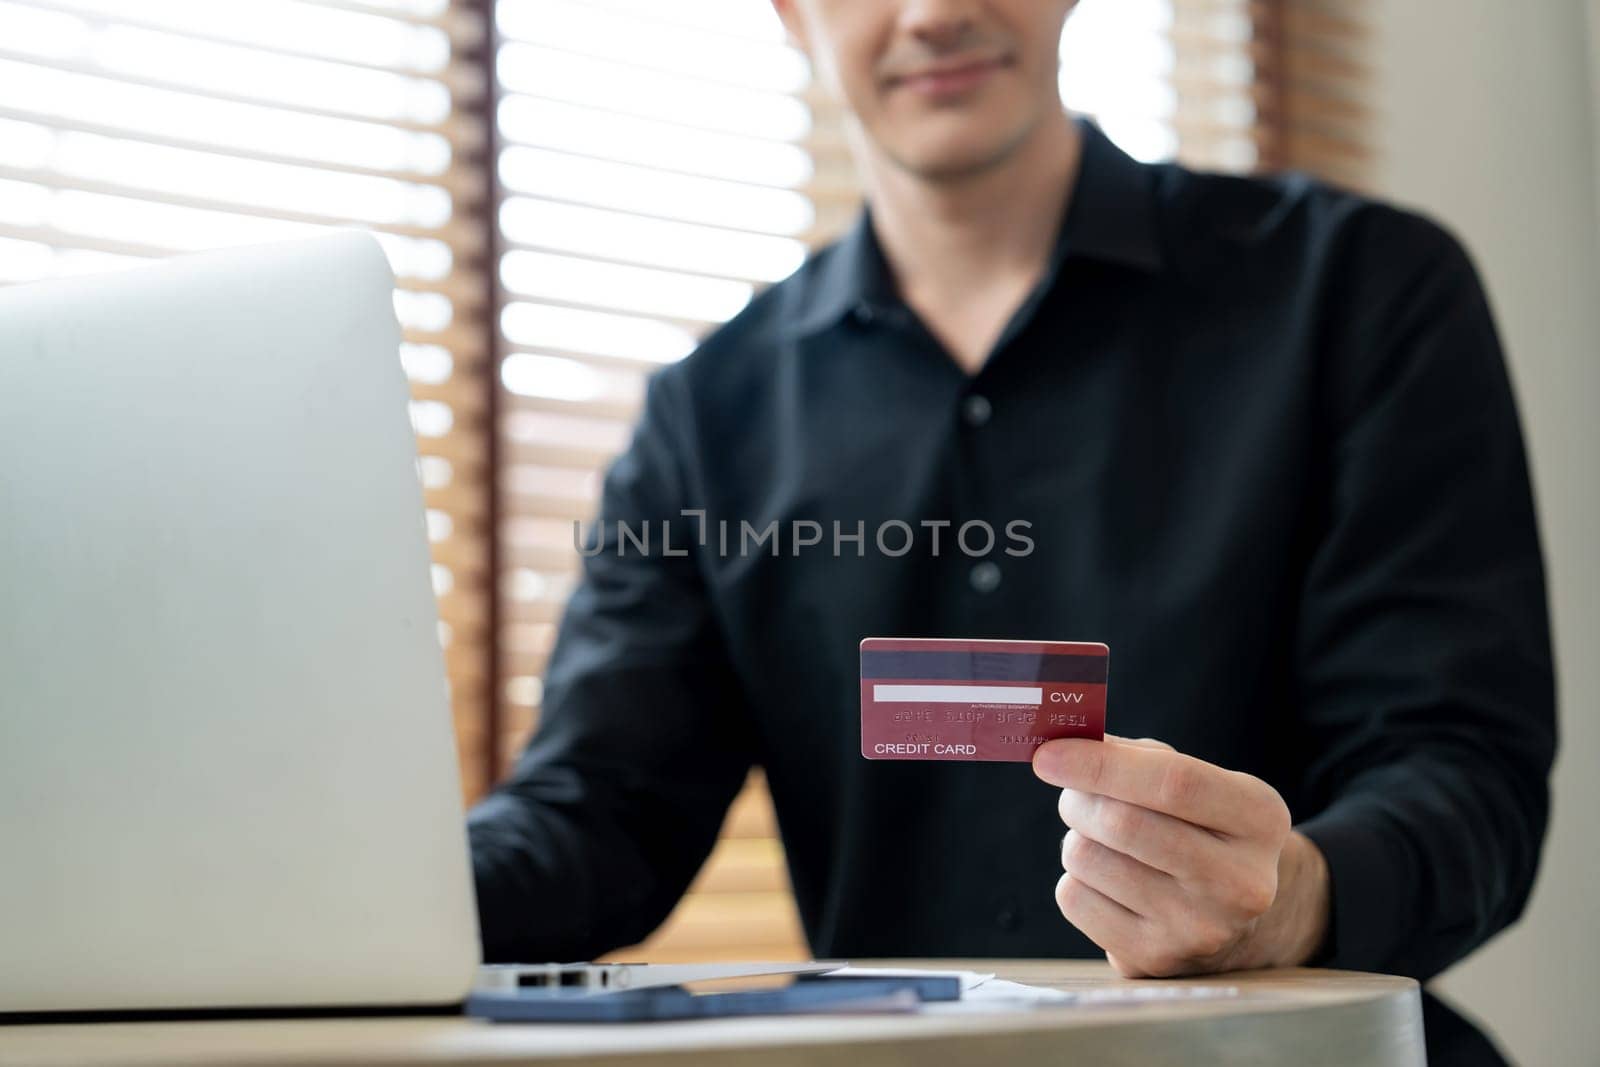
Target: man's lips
{"type": "Point", "coordinates": [949, 79]}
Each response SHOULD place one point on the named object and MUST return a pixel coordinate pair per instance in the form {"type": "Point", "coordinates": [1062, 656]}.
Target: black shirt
{"type": "Point", "coordinates": [1262, 439]}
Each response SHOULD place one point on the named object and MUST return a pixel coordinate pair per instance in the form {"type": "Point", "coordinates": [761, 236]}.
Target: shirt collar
{"type": "Point", "coordinates": [1111, 217]}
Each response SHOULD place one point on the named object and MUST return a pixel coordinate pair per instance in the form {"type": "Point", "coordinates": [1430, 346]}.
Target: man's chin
{"type": "Point", "coordinates": [951, 154]}
{"type": "Point", "coordinates": [953, 162]}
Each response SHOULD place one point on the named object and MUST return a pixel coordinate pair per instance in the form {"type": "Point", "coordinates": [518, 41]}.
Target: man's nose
{"type": "Point", "coordinates": [943, 24]}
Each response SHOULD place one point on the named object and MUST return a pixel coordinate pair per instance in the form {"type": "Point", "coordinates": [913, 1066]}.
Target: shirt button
{"type": "Point", "coordinates": [1009, 917]}
{"type": "Point", "coordinates": [976, 409]}
{"type": "Point", "coordinates": [985, 576]}
{"type": "Point", "coordinates": [863, 314]}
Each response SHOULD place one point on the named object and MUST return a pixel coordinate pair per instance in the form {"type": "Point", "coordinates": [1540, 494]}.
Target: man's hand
{"type": "Point", "coordinates": [1177, 866]}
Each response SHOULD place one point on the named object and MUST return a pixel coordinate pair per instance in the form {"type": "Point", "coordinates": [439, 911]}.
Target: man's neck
{"type": "Point", "coordinates": [979, 238]}
{"type": "Point", "coordinates": [942, 233]}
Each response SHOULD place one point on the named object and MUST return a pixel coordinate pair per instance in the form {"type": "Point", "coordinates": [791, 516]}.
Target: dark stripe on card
{"type": "Point", "coordinates": [984, 666]}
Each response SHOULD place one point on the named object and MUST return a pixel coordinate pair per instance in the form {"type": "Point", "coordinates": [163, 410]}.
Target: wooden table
{"type": "Point", "coordinates": [1306, 1018]}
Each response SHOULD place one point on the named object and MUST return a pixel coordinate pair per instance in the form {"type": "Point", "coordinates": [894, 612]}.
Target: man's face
{"type": "Point", "coordinates": [943, 88]}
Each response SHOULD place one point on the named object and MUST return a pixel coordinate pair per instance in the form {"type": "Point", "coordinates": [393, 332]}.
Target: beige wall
{"type": "Point", "coordinates": [1488, 119]}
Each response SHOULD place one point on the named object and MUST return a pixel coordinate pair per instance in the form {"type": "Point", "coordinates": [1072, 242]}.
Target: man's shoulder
{"type": "Point", "coordinates": [1294, 217]}
{"type": "Point", "coordinates": [738, 355]}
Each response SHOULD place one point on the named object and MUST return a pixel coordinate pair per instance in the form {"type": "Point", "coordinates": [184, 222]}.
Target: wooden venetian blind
{"type": "Point", "coordinates": [134, 130]}
{"type": "Point", "coordinates": [1229, 85]}
{"type": "Point", "coordinates": [659, 163]}
{"type": "Point", "coordinates": [1313, 88]}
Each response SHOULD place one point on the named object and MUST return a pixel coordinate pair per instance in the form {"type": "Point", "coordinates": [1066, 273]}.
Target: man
{"type": "Point", "coordinates": [1259, 439]}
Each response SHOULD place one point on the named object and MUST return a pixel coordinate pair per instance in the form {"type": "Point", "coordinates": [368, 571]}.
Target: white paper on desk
{"type": "Point", "coordinates": [1000, 991]}
{"type": "Point", "coordinates": [985, 992]}
{"type": "Point", "coordinates": [998, 994]}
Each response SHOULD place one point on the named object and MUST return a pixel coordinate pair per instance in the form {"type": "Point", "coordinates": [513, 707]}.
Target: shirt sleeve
{"type": "Point", "coordinates": [1424, 667]}
{"type": "Point", "coordinates": [642, 742]}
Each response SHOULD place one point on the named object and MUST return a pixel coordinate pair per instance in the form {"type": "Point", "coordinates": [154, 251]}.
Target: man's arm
{"type": "Point", "coordinates": [1426, 688]}
{"type": "Point", "coordinates": [617, 800]}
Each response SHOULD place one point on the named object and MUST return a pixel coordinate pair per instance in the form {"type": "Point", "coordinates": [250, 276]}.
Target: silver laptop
{"type": "Point", "coordinates": [227, 771]}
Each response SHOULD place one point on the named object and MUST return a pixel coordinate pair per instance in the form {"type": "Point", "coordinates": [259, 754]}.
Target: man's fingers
{"type": "Point", "coordinates": [1160, 779]}
{"type": "Point", "coordinates": [1102, 920]}
{"type": "Point", "coordinates": [1143, 742]}
{"type": "Point", "coordinates": [1156, 840]}
{"type": "Point", "coordinates": [1142, 889]}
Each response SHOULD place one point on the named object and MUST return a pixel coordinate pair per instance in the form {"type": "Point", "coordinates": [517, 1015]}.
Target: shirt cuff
{"type": "Point", "coordinates": [1372, 889]}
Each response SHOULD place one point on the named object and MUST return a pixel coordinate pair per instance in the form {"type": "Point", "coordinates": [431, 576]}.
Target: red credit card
{"type": "Point", "coordinates": [934, 699]}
